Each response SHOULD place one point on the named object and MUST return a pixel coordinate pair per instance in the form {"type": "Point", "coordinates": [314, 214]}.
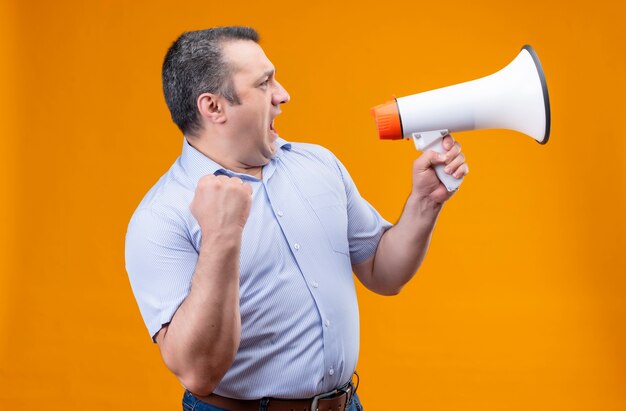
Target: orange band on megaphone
{"type": "Point", "coordinates": [388, 121]}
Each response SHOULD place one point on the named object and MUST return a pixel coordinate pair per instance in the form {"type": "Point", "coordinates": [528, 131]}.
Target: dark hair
{"type": "Point", "coordinates": [193, 65]}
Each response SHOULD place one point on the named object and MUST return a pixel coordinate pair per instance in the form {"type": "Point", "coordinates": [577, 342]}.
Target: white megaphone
{"type": "Point", "coordinates": [514, 98]}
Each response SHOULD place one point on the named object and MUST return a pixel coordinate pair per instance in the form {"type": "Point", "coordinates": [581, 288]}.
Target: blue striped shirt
{"type": "Point", "coordinates": [299, 314]}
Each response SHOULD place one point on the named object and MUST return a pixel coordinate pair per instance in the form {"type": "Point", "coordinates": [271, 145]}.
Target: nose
{"type": "Point", "coordinates": [280, 95]}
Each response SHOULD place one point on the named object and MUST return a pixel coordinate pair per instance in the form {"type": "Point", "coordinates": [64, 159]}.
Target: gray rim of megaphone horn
{"type": "Point", "coordinates": [544, 87]}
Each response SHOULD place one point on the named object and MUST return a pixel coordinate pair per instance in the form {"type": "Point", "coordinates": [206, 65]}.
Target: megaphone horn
{"type": "Point", "coordinates": [514, 98]}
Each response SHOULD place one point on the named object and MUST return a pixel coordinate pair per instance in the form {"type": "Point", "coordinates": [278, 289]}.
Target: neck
{"type": "Point", "coordinates": [221, 155]}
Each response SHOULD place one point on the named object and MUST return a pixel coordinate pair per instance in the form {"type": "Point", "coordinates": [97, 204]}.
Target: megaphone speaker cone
{"type": "Point", "coordinates": [544, 87]}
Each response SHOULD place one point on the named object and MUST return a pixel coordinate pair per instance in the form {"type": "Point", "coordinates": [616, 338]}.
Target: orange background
{"type": "Point", "coordinates": [520, 302]}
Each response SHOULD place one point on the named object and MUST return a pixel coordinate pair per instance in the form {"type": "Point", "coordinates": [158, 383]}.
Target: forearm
{"type": "Point", "coordinates": [200, 343]}
{"type": "Point", "coordinates": [403, 247]}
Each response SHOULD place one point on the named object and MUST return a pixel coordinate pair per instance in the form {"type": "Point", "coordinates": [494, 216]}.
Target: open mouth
{"type": "Point", "coordinates": [272, 129]}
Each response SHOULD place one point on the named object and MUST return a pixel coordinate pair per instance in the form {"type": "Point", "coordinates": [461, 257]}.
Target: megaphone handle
{"type": "Point", "coordinates": [433, 140]}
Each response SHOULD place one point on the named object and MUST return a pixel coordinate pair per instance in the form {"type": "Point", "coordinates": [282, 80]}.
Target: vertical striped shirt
{"type": "Point", "coordinates": [299, 314]}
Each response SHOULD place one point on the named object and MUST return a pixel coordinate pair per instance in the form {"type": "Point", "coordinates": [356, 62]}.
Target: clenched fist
{"type": "Point", "coordinates": [426, 184]}
{"type": "Point", "coordinates": [221, 203]}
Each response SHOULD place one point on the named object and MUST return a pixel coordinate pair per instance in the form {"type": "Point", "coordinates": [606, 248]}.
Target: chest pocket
{"type": "Point", "coordinates": [333, 217]}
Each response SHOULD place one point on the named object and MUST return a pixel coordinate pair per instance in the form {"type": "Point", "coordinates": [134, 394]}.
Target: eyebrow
{"type": "Point", "coordinates": [268, 73]}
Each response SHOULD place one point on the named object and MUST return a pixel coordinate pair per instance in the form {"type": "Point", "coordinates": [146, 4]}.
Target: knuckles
{"type": "Point", "coordinates": [211, 182]}
{"type": "Point", "coordinates": [221, 186]}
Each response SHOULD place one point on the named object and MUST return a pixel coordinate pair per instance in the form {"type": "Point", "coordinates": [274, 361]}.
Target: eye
{"type": "Point", "coordinates": [265, 83]}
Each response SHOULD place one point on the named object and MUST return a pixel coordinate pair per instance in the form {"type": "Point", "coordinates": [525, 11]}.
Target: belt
{"type": "Point", "coordinates": [335, 400]}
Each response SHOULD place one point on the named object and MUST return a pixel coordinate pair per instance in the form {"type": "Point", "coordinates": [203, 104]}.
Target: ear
{"type": "Point", "coordinates": [211, 107]}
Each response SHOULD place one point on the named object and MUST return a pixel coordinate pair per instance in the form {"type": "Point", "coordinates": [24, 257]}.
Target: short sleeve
{"type": "Point", "coordinates": [365, 225]}
{"type": "Point", "coordinates": [160, 261]}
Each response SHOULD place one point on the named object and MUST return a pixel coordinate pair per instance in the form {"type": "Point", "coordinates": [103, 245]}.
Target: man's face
{"type": "Point", "coordinates": [250, 124]}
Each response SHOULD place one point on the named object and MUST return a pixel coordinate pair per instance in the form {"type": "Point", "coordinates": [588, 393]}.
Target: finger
{"type": "Point", "coordinates": [238, 182]}
{"type": "Point", "coordinates": [249, 188]}
{"type": "Point", "coordinates": [455, 163]}
{"type": "Point", "coordinates": [235, 181]}
{"type": "Point", "coordinates": [427, 160]}
{"type": "Point", "coordinates": [222, 178]}
{"type": "Point", "coordinates": [206, 181]}
{"type": "Point", "coordinates": [453, 152]}
{"type": "Point", "coordinates": [448, 142]}
{"type": "Point", "coordinates": [461, 171]}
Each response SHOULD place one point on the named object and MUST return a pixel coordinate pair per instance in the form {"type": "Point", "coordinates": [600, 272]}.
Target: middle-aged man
{"type": "Point", "coordinates": [241, 256]}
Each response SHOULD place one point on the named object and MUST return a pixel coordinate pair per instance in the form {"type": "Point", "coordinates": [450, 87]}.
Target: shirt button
{"type": "Point", "coordinates": [280, 213]}
{"type": "Point", "coordinates": [331, 371]}
{"type": "Point", "coordinates": [315, 284]}
{"type": "Point", "coordinates": [296, 246]}
{"type": "Point", "coordinates": [326, 323]}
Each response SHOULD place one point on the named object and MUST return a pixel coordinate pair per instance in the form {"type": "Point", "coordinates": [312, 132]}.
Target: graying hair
{"type": "Point", "coordinates": [194, 65]}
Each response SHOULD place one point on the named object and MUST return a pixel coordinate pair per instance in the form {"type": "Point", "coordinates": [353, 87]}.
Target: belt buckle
{"type": "Point", "coordinates": [329, 394]}
{"type": "Point", "coordinates": [321, 397]}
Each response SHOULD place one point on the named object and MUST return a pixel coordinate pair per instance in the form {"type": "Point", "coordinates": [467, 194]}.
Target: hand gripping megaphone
{"type": "Point", "coordinates": [514, 98]}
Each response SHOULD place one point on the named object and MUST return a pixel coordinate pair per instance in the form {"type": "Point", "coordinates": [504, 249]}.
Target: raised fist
{"type": "Point", "coordinates": [221, 203]}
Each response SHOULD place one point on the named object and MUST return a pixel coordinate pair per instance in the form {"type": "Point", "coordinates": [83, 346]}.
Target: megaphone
{"type": "Point", "coordinates": [514, 98]}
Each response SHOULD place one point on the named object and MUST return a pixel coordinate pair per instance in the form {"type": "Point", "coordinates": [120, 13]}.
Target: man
{"type": "Point", "coordinates": [241, 256]}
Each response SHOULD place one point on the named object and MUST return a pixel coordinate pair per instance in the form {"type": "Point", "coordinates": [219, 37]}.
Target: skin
{"type": "Point", "coordinates": [200, 342]}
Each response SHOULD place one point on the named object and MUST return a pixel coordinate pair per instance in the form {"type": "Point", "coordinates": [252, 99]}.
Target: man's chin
{"type": "Point", "coordinates": [265, 155]}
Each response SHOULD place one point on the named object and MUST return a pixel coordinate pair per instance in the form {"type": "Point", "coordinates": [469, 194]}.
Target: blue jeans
{"type": "Point", "coordinates": [191, 403]}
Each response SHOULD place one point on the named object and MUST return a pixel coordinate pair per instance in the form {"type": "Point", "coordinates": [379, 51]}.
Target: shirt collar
{"type": "Point", "coordinates": [197, 165]}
